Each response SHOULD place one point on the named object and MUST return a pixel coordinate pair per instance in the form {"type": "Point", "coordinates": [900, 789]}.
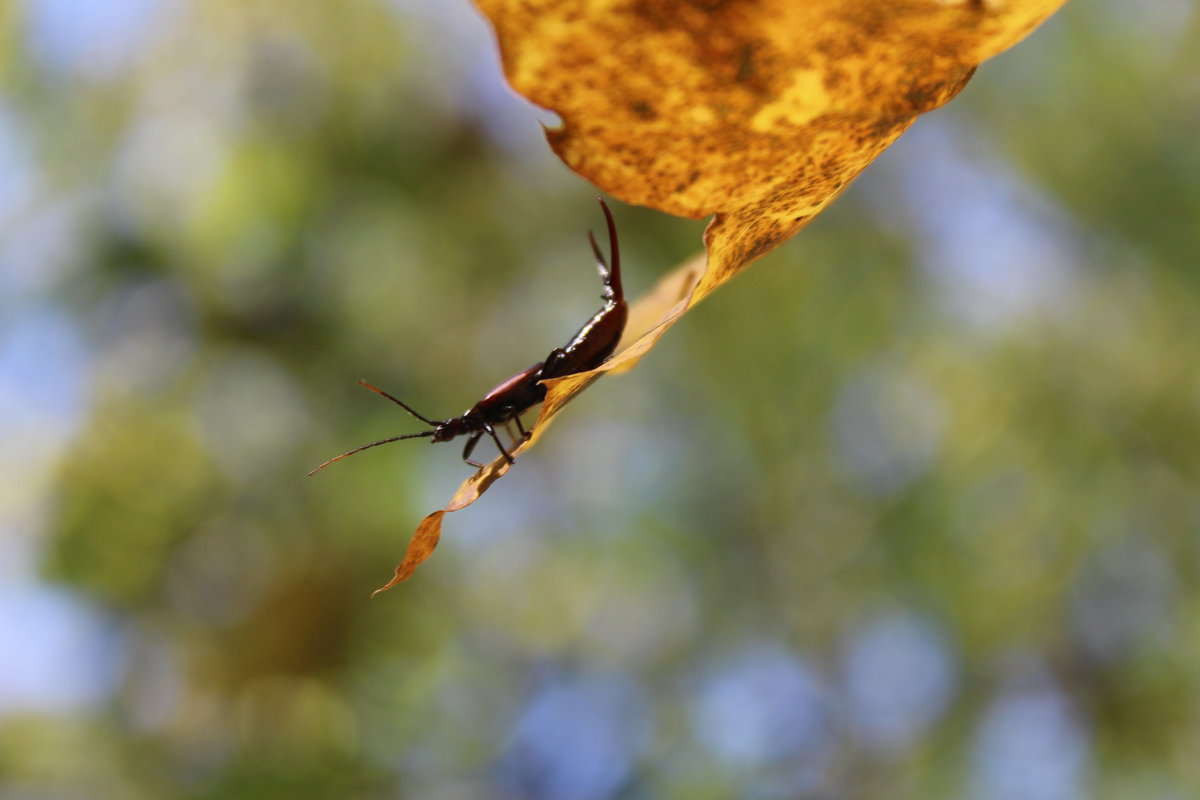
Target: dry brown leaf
{"type": "Point", "coordinates": [758, 112]}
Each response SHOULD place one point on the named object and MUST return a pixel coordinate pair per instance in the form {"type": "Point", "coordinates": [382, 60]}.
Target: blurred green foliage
{"type": "Point", "coordinates": [248, 206]}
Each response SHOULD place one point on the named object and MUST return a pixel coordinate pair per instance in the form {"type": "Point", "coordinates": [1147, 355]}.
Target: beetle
{"type": "Point", "coordinates": [590, 347]}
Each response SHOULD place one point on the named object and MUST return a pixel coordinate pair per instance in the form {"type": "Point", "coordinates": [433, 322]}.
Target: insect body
{"type": "Point", "coordinates": [504, 404]}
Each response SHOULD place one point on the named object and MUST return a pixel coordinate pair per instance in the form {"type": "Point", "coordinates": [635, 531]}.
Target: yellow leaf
{"type": "Point", "coordinates": [757, 111]}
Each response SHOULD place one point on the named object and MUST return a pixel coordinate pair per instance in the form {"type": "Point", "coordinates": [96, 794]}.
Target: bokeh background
{"type": "Point", "coordinates": [909, 510]}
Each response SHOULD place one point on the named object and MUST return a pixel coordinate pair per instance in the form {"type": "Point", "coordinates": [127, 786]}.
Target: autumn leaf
{"type": "Point", "coordinates": [756, 112]}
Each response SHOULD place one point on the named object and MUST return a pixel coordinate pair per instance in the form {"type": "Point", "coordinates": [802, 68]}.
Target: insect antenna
{"type": "Point", "coordinates": [400, 403]}
{"type": "Point", "coordinates": [432, 423]}
{"type": "Point", "coordinates": [372, 444]}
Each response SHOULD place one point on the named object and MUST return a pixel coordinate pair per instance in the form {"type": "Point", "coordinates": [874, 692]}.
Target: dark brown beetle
{"type": "Point", "coordinates": [504, 404]}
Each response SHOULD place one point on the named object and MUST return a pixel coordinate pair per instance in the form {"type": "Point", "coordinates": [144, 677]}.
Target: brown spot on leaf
{"type": "Point", "coordinates": [643, 109]}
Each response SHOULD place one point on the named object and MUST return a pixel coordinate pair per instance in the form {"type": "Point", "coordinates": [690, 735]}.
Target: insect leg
{"type": "Point", "coordinates": [470, 446]}
{"type": "Point", "coordinates": [507, 456]}
{"type": "Point", "coordinates": [524, 433]}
